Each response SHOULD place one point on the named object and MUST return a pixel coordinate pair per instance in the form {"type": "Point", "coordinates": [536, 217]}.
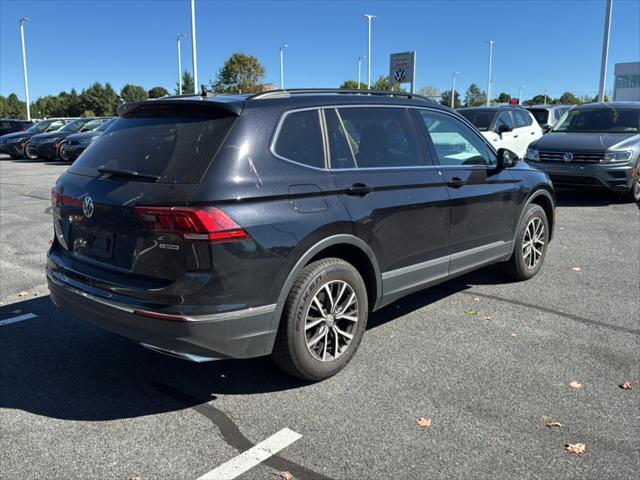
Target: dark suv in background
{"type": "Point", "coordinates": [10, 125]}
{"type": "Point", "coordinates": [75, 144]}
{"type": "Point", "coordinates": [14, 144]}
{"type": "Point", "coordinates": [593, 145]}
{"type": "Point", "coordinates": [237, 226]}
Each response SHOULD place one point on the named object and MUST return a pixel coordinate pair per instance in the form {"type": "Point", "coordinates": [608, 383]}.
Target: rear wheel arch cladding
{"type": "Point", "coordinates": [543, 198]}
{"type": "Point", "coordinates": [314, 253]}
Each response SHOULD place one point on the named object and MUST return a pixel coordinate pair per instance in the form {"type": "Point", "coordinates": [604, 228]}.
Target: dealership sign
{"type": "Point", "coordinates": [402, 68]}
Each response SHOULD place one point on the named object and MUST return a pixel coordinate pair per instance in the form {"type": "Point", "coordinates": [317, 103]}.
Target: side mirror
{"type": "Point", "coordinates": [507, 158]}
{"type": "Point", "coordinates": [504, 128]}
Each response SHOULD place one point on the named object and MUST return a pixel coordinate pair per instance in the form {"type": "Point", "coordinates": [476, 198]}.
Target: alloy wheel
{"type": "Point", "coordinates": [331, 320]}
{"type": "Point", "coordinates": [533, 243]}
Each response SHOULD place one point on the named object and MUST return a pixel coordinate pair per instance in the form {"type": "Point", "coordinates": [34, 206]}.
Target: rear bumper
{"type": "Point", "coordinates": [613, 177]}
{"type": "Point", "coordinates": [237, 334]}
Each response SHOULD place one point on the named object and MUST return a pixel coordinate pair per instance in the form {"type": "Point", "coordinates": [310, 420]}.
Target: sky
{"type": "Point", "coordinates": [554, 45]}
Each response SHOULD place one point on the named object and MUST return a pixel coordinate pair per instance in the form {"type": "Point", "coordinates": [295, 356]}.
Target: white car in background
{"type": "Point", "coordinates": [513, 128]}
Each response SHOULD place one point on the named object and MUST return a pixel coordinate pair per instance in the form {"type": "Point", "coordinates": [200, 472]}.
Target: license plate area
{"type": "Point", "coordinates": [93, 244]}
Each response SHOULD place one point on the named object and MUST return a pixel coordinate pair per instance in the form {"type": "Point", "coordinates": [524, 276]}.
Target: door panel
{"type": "Point", "coordinates": [400, 206]}
{"type": "Point", "coordinates": [483, 197]}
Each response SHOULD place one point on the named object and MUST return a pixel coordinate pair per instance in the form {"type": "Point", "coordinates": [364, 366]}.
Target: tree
{"type": "Point", "coordinates": [596, 98]}
{"type": "Point", "coordinates": [503, 98]}
{"type": "Point", "coordinates": [158, 92]}
{"type": "Point", "coordinates": [351, 85]}
{"type": "Point", "coordinates": [383, 84]}
{"type": "Point", "coordinates": [538, 100]}
{"type": "Point", "coordinates": [445, 99]}
{"type": "Point", "coordinates": [14, 107]}
{"type": "Point", "coordinates": [103, 100]}
{"type": "Point", "coordinates": [241, 73]}
{"type": "Point", "coordinates": [187, 83]}
{"type": "Point", "coordinates": [568, 98]}
{"type": "Point", "coordinates": [133, 93]}
{"type": "Point", "coordinates": [432, 93]}
{"type": "Point", "coordinates": [474, 96]}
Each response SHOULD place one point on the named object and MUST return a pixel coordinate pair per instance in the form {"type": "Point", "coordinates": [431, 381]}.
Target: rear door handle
{"type": "Point", "coordinates": [455, 182]}
{"type": "Point", "coordinates": [358, 189]}
{"type": "Point", "coordinates": [515, 136]}
{"type": "Point", "coordinates": [533, 133]}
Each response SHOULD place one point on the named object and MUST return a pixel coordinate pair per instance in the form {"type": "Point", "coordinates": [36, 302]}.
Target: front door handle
{"type": "Point", "coordinates": [455, 182]}
{"type": "Point", "coordinates": [515, 136]}
{"type": "Point", "coordinates": [358, 189]}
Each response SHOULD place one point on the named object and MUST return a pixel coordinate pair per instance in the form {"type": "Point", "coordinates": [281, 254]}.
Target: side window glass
{"type": "Point", "coordinates": [504, 119]}
{"type": "Point", "coordinates": [300, 139]}
{"type": "Point", "coordinates": [522, 119]}
{"type": "Point", "coordinates": [340, 151]}
{"type": "Point", "coordinates": [454, 142]}
{"type": "Point", "coordinates": [381, 137]}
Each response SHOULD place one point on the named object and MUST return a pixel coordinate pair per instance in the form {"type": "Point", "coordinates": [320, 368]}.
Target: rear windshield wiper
{"type": "Point", "coordinates": [128, 173]}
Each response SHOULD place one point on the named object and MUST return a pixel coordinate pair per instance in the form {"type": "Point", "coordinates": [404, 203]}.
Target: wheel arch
{"type": "Point", "coordinates": [347, 247]}
{"type": "Point", "coordinates": [543, 197]}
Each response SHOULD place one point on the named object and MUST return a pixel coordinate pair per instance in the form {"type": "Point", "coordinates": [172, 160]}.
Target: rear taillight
{"type": "Point", "coordinates": [207, 223]}
{"type": "Point", "coordinates": [57, 199]}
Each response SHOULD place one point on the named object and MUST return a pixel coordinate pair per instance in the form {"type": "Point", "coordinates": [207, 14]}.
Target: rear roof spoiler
{"type": "Point", "coordinates": [200, 107]}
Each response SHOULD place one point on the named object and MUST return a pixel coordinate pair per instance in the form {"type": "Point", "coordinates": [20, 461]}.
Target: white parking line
{"type": "Point", "coordinates": [19, 318]}
{"type": "Point", "coordinates": [252, 457]}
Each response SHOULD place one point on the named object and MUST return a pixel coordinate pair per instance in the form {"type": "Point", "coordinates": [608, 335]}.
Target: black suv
{"type": "Point", "coordinates": [236, 226]}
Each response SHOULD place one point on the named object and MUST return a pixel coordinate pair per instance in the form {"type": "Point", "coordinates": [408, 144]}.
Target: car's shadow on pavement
{"type": "Point", "coordinates": [60, 367]}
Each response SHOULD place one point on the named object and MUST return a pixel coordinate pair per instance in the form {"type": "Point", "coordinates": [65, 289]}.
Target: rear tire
{"type": "Point", "coordinates": [28, 154]}
{"type": "Point", "coordinates": [323, 320]}
{"type": "Point", "coordinates": [531, 244]}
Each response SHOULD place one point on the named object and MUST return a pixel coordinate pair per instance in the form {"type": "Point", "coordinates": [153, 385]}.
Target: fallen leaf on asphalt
{"type": "Point", "coordinates": [471, 311]}
{"type": "Point", "coordinates": [575, 385]}
{"type": "Point", "coordinates": [284, 475]}
{"type": "Point", "coordinates": [576, 269]}
{"type": "Point", "coordinates": [553, 424]}
{"type": "Point", "coordinates": [424, 422]}
{"type": "Point", "coordinates": [577, 448]}
{"type": "Point", "coordinates": [23, 294]}
{"type": "Point", "coordinates": [50, 242]}
{"type": "Point", "coordinates": [135, 478]}
{"type": "Point", "coordinates": [476, 299]}
{"type": "Point", "coordinates": [488, 317]}
{"type": "Point", "coordinates": [514, 334]}
{"type": "Point", "coordinates": [626, 385]}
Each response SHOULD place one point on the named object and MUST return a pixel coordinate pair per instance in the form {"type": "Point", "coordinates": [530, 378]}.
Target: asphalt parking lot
{"type": "Point", "coordinates": [489, 362]}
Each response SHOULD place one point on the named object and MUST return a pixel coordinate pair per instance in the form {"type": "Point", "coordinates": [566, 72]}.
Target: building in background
{"type": "Point", "coordinates": [627, 83]}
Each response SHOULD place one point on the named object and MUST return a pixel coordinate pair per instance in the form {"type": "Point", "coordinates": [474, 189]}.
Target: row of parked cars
{"type": "Point", "coordinates": [54, 138]}
{"type": "Point", "coordinates": [596, 144]}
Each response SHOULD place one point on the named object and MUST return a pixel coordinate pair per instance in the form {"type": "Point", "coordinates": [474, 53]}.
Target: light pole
{"type": "Point", "coordinates": [282, 47]}
{"type": "Point", "coordinates": [369, 18]}
{"type": "Point", "coordinates": [180, 36]}
{"type": "Point", "coordinates": [605, 51]}
{"type": "Point", "coordinates": [520, 94]}
{"type": "Point", "coordinates": [24, 67]}
{"type": "Point", "coordinates": [489, 79]}
{"type": "Point", "coordinates": [193, 46]}
{"type": "Point", "coordinates": [453, 89]}
{"type": "Point", "coordinates": [546, 90]}
{"type": "Point", "coordinates": [360, 57]}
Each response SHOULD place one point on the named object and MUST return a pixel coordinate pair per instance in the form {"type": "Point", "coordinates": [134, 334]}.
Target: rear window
{"type": "Point", "coordinates": [541, 115]}
{"type": "Point", "coordinates": [481, 119]}
{"type": "Point", "coordinates": [173, 149]}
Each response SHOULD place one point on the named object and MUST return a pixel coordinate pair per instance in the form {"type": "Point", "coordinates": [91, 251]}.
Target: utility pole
{"type": "Point", "coordinates": [180, 36]}
{"type": "Point", "coordinates": [24, 67]}
{"type": "Point", "coordinates": [369, 18]}
{"type": "Point", "coordinates": [453, 90]}
{"type": "Point", "coordinates": [282, 47]}
{"type": "Point", "coordinates": [605, 50]}
{"type": "Point", "coordinates": [193, 47]}
{"type": "Point", "coordinates": [520, 94]}
{"type": "Point", "coordinates": [360, 57]}
{"type": "Point", "coordinates": [489, 79]}
{"type": "Point", "coordinates": [546, 90]}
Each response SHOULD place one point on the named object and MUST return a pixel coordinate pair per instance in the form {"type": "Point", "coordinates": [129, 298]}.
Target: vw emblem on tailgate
{"type": "Point", "coordinates": [87, 206]}
{"type": "Point", "coordinates": [567, 157]}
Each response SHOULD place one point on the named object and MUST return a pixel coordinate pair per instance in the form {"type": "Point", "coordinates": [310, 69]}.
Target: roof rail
{"type": "Point", "coordinates": [295, 91]}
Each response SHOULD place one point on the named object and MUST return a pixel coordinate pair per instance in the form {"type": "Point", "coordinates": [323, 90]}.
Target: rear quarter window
{"type": "Point", "coordinates": [299, 139]}
{"type": "Point", "coordinates": [175, 149]}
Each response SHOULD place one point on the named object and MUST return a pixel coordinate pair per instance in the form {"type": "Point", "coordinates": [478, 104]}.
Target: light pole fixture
{"type": "Point", "coordinates": [546, 90]}
{"type": "Point", "coordinates": [453, 89]}
{"type": "Point", "coordinates": [282, 47]}
{"type": "Point", "coordinates": [360, 57]}
{"type": "Point", "coordinates": [180, 36]}
{"type": "Point", "coordinates": [194, 54]}
{"type": "Point", "coordinates": [605, 51]}
{"type": "Point", "coordinates": [24, 67]}
{"type": "Point", "coordinates": [520, 94]}
{"type": "Point", "coordinates": [489, 79]}
{"type": "Point", "coordinates": [369, 18]}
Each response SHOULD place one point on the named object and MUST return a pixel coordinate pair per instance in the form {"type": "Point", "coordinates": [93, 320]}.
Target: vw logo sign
{"type": "Point", "coordinates": [567, 157]}
{"type": "Point", "coordinates": [87, 206]}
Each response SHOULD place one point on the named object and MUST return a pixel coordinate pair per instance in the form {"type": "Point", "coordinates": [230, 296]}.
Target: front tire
{"type": "Point", "coordinates": [323, 322]}
{"type": "Point", "coordinates": [531, 244]}
{"type": "Point", "coordinates": [29, 154]}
